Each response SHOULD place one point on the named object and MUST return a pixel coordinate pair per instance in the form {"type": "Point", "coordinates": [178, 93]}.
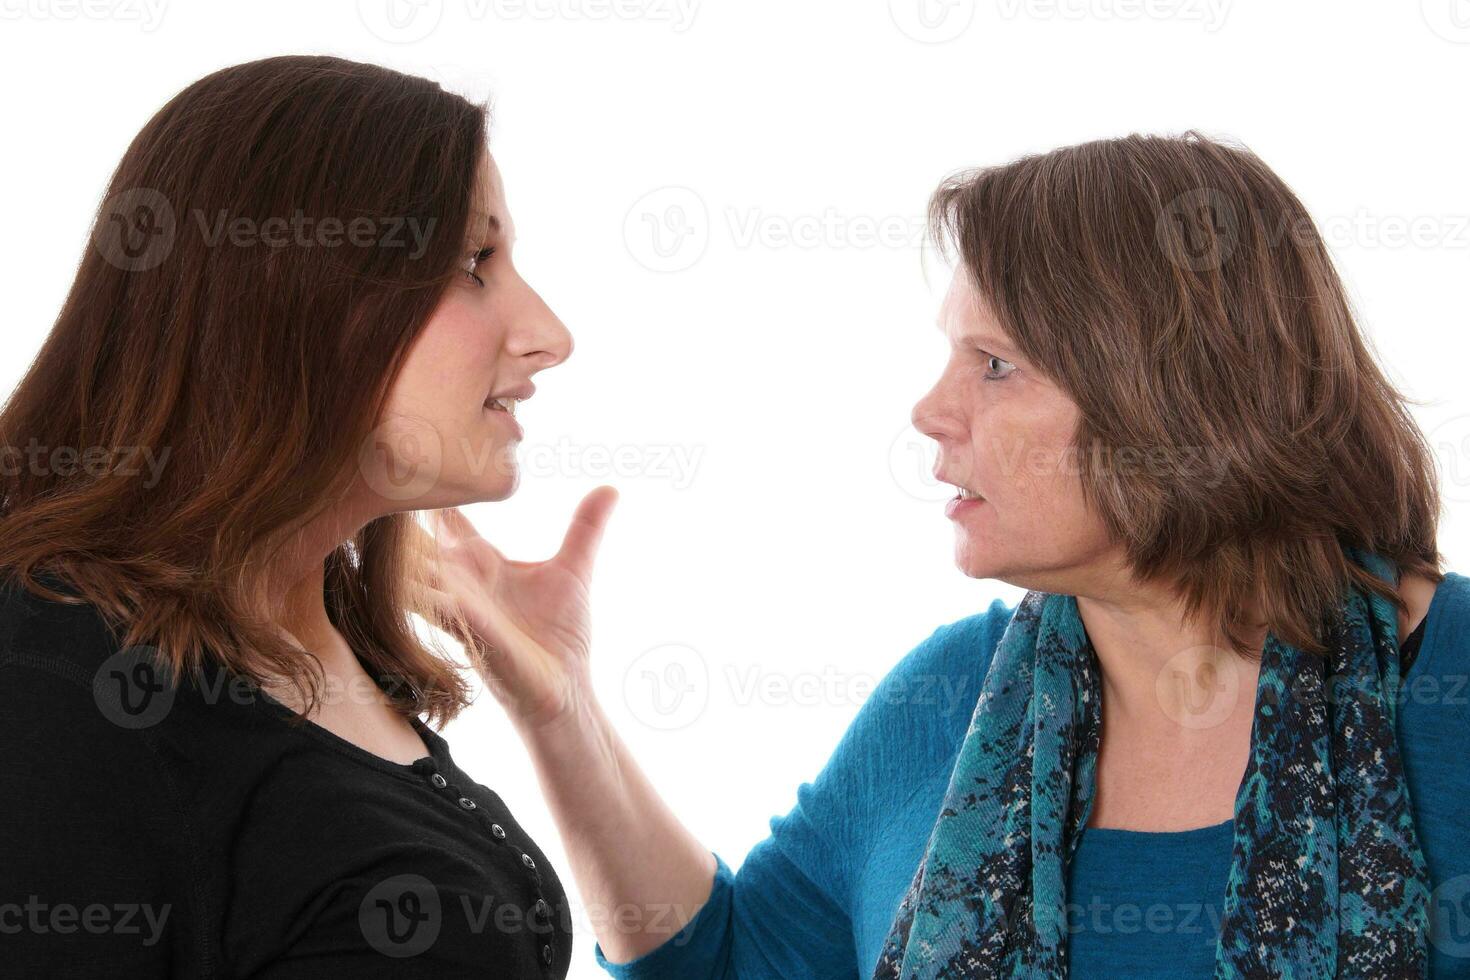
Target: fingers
{"type": "Point", "coordinates": [579, 547]}
{"type": "Point", "coordinates": [451, 526]}
{"type": "Point", "coordinates": [442, 604]}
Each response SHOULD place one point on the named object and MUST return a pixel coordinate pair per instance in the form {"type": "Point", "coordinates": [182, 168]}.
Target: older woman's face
{"type": "Point", "coordinates": [1004, 433]}
{"type": "Point", "coordinates": [447, 438]}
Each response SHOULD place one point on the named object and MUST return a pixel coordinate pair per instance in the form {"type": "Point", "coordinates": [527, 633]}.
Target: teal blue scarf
{"type": "Point", "coordinates": [1327, 878]}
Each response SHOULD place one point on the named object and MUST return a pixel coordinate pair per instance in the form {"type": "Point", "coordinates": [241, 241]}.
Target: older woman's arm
{"type": "Point", "coordinates": [806, 901]}
{"type": "Point", "coordinates": [661, 904]}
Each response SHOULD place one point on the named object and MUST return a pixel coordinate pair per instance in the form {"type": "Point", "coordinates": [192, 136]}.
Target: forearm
{"type": "Point", "coordinates": [642, 875]}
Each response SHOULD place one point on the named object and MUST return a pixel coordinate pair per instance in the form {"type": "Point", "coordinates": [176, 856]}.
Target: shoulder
{"type": "Point", "coordinates": [961, 646]}
{"type": "Point", "coordinates": [67, 638]}
{"type": "Point", "coordinates": [949, 665]}
{"type": "Point", "coordinates": [1446, 643]}
{"type": "Point", "coordinates": [58, 709]}
{"type": "Point", "coordinates": [90, 808]}
{"type": "Point", "coordinates": [916, 716]}
{"type": "Point", "coordinates": [1434, 714]}
{"type": "Point", "coordinates": [903, 737]}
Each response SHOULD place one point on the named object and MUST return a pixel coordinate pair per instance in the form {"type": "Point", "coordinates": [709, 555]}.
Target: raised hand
{"type": "Point", "coordinates": [525, 625]}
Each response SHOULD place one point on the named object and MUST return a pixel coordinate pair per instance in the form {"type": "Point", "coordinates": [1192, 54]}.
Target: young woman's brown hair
{"type": "Point", "coordinates": [1237, 359]}
{"type": "Point", "coordinates": [205, 392]}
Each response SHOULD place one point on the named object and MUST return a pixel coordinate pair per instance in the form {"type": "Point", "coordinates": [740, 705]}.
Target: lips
{"type": "Point", "coordinates": [507, 400]}
{"type": "Point", "coordinates": [507, 405]}
{"type": "Point", "coordinates": [963, 492]}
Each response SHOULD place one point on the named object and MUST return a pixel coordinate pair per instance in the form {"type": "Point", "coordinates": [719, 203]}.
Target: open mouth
{"type": "Point", "coordinates": [964, 494]}
{"type": "Point", "coordinates": [506, 405]}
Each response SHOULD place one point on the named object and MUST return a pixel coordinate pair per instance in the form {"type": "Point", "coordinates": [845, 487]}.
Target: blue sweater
{"type": "Point", "coordinates": [815, 899]}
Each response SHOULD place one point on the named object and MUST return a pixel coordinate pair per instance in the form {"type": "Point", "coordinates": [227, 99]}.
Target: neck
{"type": "Point", "coordinates": [1164, 672]}
{"type": "Point", "coordinates": [297, 592]}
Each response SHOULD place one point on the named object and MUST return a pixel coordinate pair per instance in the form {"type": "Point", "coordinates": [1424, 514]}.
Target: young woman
{"type": "Point", "coordinates": [297, 322]}
{"type": "Point", "coordinates": [1219, 737]}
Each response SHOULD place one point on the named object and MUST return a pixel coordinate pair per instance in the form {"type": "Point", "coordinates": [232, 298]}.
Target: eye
{"type": "Point", "coordinates": [997, 368]}
{"type": "Point", "coordinates": [474, 261]}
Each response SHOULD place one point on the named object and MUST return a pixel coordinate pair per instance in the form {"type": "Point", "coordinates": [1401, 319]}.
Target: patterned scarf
{"type": "Point", "coordinates": [1326, 879]}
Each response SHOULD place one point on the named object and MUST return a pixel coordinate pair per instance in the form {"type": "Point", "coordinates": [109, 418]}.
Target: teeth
{"type": "Point", "coordinates": [507, 405]}
{"type": "Point", "coordinates": [968, 494]}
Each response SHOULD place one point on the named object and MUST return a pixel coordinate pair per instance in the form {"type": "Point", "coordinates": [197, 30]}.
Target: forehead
{"type": "Point", "coordinates": [490, 213]}
{"type": "Point", "coordinates": [489, 187]}
{"type": "Point", "coordinates": [964, 315]}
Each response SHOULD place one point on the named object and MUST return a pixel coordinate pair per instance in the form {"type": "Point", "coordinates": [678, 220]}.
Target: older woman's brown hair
{"type": "Point", "coordinates": [1177, 290]}
{"type": "Point", "coordinates": [252, 376]}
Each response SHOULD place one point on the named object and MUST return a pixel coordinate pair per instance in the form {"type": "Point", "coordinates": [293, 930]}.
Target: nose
{"type": "Point", "coordinates": [540, 334]}
{"type": "Point", "coordinates": [933, 415]}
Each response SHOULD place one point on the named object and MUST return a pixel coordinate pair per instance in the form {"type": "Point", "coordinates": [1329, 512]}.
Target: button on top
{"type": "Point", "coordinates": [438, 780]}
{"type": "Point", "coordinates": [466, 802]}
{"type": "Point", "coordinates": [498, 831]}
{"type": "Point", "coordinates": [527, 861]}
{"type": "Point", "coordinates": [541, 908]}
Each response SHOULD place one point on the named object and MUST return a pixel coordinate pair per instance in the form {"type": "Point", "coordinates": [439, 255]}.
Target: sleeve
{"type": "Point", "coordinates": [87, 888]}
{"type": "Point", "coordinates": [788, 911]}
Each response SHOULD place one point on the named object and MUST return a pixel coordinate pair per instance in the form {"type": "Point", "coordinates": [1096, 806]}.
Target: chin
{"type": "Point", "coordinates": [485, 488]}
{"type": "Point", "coordinates": [502, 487]}
{"type": "Point", "coordinates": [971, 559]}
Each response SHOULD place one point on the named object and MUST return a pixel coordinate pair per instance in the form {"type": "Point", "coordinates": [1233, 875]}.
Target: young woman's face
{"type": "Point", "coordinates": [447, 437]}
{"type": "Point", "coordinates": [1004, 433]}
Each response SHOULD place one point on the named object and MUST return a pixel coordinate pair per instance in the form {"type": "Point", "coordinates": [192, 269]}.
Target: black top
{"type": "Point", "coordinates": [193, 833]}
{"type": "Point", "coordinates": [1409, 649]}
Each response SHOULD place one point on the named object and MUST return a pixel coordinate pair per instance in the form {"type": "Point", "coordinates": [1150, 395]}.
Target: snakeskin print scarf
{"type": "Point", "coordinates": [1326, 879]}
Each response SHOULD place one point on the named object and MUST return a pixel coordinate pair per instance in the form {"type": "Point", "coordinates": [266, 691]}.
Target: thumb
{"type": "Point", "coordinates": [579, 547]}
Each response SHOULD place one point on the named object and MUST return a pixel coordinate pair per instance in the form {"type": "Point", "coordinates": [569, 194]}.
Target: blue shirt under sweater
{"type": "Point", "coordinates": [815, 899]}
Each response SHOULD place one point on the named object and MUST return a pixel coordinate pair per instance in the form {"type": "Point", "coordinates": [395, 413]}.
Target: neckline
{"type": "Point", "coordinates": [1428, 626]}
{"type": "Point", "coordinates": [1422, 629]}
{"type": "Point", "coordinates": [1190, 833]}
{"type": "Point", "coordinates": [437, 759]}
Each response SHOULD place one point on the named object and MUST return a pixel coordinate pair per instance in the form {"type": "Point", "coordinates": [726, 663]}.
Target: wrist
{"type": "Point", "coordinates": [569, 731]}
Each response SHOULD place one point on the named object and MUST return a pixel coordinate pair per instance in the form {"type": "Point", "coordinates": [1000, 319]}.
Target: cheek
{"type": "Point", "coordinates": [452, 362]}
{"type": "Point", "coordinates": [1026, 459]}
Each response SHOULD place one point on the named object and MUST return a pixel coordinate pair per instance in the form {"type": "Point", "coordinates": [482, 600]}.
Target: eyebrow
{"type": "Point", "coordinates": [980, 339]}
{"type": "Point", "coordinates": [986, 341]}
{"type": "Point", "coordinates": [492, 221]}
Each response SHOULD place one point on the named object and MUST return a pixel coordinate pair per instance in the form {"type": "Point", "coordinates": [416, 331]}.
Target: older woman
{"type": "Point", "coordinates": [1201, 745]}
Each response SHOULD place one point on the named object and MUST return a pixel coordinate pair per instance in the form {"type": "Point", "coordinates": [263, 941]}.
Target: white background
{"type": "Point", "coordinates": [776, 526]}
